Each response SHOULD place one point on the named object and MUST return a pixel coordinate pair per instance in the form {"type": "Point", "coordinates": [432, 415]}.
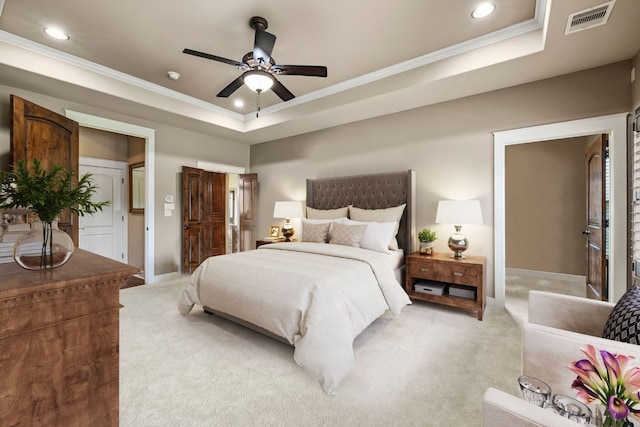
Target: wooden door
{"type": "Point", "coordinates": [37, 133]}
{"type": "Point", "coordinates": [216, 219]}
{"type": "Point", "coordinates": [596, 219]}
{"type": "Point", "coordinates": [204, 216]}
{"type": "Point", "coordinates": [248, 209]}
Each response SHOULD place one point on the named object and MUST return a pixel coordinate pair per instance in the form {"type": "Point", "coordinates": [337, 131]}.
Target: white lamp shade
{"type": "Point", "coordinates": [258, 81]}
{"type": "Point", "coordinates": [459, 212]}
{"type": "Point", "coordinates": [287, 210]}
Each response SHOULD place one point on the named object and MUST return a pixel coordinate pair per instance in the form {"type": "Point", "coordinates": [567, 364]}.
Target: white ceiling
{"type": "Point", "coordinates": [381, 59]}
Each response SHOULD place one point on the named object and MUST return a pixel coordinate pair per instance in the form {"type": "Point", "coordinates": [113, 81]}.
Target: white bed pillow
{"type": "Point", "coordinates": [380, 215]}
{"type": "Point", "coordinates": [317, 233]}
{"type": "Point", "coordinates": [314, 213]}
{"type": "Point", "coordinates": [347, 235]}
{"type": "Point", "coordinates": [377, 236]}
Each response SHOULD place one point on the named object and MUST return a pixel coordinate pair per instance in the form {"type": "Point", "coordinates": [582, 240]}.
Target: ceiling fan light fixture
{"type": "Point", "coordinates": [483, 10]}
{"type": "Point", "coordinates": [258, 81]}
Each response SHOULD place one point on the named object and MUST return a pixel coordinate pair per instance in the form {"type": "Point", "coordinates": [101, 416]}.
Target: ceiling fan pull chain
{"type": "Point", "coordinates": [258, 112]}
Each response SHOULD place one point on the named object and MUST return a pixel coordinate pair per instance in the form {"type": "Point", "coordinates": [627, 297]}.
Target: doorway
{"type": "Point", "coordinates": [148, 134]}
{"type": "Point", "coordinates": [545, 204]}
{"type": "Point", "coordinates": [616, 127]}
{"type": "Point", "coordinates": [546, 201]}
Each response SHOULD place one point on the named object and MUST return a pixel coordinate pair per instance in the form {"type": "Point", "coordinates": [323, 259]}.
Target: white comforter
{"type": "Point", "coordinates": [317, 296]}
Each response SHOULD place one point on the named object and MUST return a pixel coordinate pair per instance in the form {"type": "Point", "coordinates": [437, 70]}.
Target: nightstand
{"type": "Point", "coordinates": [461, 276]}
{"type": "Point", "coordinates": [266, 242]}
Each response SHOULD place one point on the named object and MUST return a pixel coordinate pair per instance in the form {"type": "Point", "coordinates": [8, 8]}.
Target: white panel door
{"type": "Point", "coordinates": [104, 232]}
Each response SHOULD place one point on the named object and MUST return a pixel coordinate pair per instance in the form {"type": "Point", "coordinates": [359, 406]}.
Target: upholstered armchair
{"type": "Point", "coordinates": [559, 327]}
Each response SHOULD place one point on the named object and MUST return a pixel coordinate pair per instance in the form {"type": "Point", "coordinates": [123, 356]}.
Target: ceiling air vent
{"type": "Point", "coordinates": [589, 18]}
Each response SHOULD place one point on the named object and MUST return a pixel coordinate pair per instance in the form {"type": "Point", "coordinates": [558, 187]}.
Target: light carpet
{"type": "Point", "coordinates": [517, 292]}
{"type": "Point", "coordinates": [429, 366]}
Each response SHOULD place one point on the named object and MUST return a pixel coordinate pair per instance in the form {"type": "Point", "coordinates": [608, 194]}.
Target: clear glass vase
{"type": "Point", "coordinates": [43, 247]}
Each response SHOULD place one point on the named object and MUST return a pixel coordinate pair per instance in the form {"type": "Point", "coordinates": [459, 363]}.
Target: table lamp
{"type": "Point", "coordinates": [458, 212]}
{"type": "Point", "coordinates": [287, 210]}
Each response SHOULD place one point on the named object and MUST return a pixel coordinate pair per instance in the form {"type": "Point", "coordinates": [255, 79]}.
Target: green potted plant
{"type": "Point", "coordinates": [46, 193]}
{"type": "Point", "coordinates": [426, 237]}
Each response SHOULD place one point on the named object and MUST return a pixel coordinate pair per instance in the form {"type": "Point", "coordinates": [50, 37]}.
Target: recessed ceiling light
{"type": "Point", "coordinates": [56, 33]}
{"type": "Point", "coordinates": [173, 75]}
{"type": "Point", "coordinates": [238, 103]}
{"type": "Point", "coordinates": [483, 10]}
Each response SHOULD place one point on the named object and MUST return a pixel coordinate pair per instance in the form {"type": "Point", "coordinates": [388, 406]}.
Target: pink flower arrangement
{"type": "Point", "coordinates": [613, 380]}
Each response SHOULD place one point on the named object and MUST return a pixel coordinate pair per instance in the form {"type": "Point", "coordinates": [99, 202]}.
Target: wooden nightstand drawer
{"type": "Point", "coordinates": [433, 270]}
{"type": "Point", "coordinates": [425, 269]}
{"type": "Point", "coordinates": [465, 275]}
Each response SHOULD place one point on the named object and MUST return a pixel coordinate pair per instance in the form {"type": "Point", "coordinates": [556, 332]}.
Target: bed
{"type": "Point", "coordinates": [317, 296]}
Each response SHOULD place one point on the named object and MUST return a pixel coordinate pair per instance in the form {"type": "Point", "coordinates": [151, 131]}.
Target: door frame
{"type": "Point", "coordinates": [148, 134]}
{"type": "Point", "coordinates": [122, 166]}
{"type": "Point", "coordinates": [615, 126]}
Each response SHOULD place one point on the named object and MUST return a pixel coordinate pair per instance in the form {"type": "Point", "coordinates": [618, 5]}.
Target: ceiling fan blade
{"type": "Point", "coordinates": [215, 58]}
{"type": "Point", "coordinates": [300, 70]}
{"type": "Point", "coordinates": [263, 46]}
{"type": "Point", "coordinates": [231, 87]}
{"type": "Point", "coordinates": [279, 89]}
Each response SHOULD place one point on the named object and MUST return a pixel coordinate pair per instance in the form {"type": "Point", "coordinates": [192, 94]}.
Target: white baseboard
{"type": "Point", "coordinates": [546, 275]}
{"type": "Point", "coordinates": [164, 277]}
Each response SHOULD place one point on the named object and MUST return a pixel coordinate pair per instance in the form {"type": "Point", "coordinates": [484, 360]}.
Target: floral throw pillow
{"type": "Point", "coordinates": [624, 321]}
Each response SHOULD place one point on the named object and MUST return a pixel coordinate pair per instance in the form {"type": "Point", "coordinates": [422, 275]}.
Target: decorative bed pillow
{"type": "Point", "coordinates": [314, 213]}
{"type": "Point", "coordinates": [377, 236]}
{"type": "Point", "coordinates": [316, 232]}
{"type": "Point", "coordinates": [623, 322]}
{"type": "Point", "coordinates": [323, 221]}
{"type": "Point", "coordinates": [380, 215]}
{"type": "Point", "coordinates": [347, 235]}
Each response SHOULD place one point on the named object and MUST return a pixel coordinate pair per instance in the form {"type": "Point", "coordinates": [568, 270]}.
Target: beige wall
{"type": "Point", "coordinates": [174, 147]}
{"type": "Point", "coordinates": [450, 145]}
{"type": "Point", "coordinates": [103, 145]}
{"type": "Point", "coordinates": [545, 206]}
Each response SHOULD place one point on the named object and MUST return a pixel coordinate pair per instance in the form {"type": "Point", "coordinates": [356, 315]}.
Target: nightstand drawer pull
{"type": "Point", "coordinates": [457, 273]}
{"type": "Point", "coordinates": [424, 269]}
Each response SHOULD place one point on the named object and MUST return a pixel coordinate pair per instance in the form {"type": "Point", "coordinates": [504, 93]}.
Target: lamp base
{"type": "Point", "coordinates": [287, 233]}
{"type": "Point", "coordinates": [458, 243]}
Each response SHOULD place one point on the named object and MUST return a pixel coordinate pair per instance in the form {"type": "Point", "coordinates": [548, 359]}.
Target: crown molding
{"type": "Point", "coordinates": [534, 24]}
{"type": "Point", "coordinates": [516, 30]}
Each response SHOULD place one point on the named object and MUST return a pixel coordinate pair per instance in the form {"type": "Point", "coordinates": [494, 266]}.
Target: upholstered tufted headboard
{"type": "Point", "coordinates": [375, 191]}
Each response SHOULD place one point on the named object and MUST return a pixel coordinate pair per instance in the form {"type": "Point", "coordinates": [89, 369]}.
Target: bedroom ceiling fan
{"type": "Point", "coordinates": [259, 66]}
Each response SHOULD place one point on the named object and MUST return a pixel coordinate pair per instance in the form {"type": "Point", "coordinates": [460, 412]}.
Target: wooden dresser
{"type": "Point", "coordinates": [59, 337]}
